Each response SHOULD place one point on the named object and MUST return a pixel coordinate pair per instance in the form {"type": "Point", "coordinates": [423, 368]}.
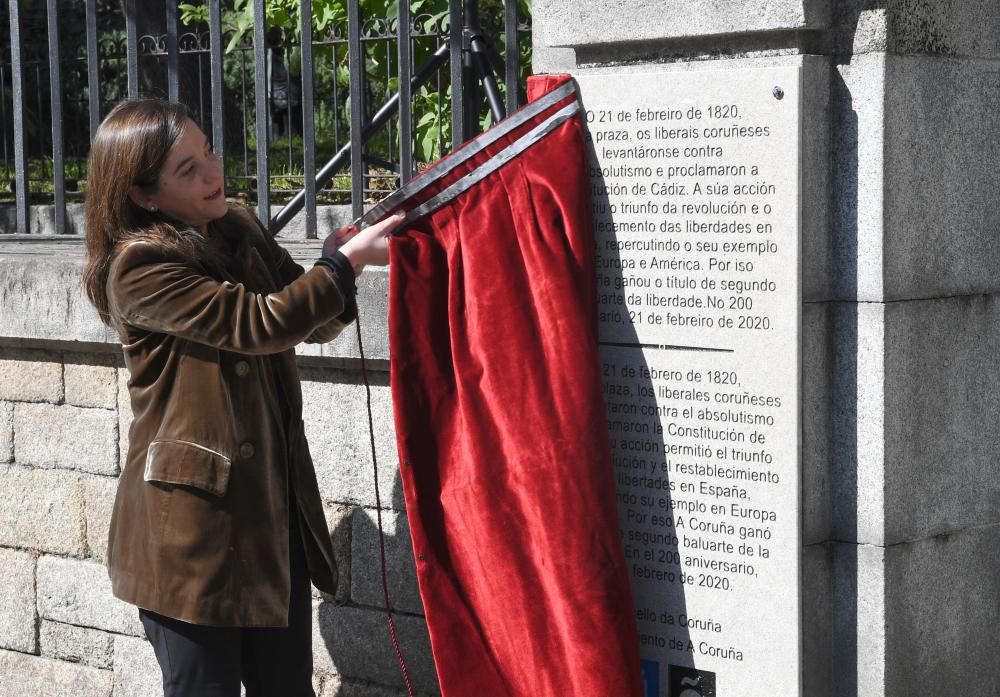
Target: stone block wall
{"type": "Point", "coordinates": [901, 165]}
{"type": "Point", "coordinates": [64, 418]}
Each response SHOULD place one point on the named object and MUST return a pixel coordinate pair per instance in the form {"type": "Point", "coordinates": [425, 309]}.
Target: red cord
{"type": "Point", "coordinates": [378, 514]}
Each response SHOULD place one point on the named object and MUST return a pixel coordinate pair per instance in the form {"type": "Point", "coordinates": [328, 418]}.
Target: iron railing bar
{"type": "Point", "coordinates": [405, 94]}
{"type": "Point", "coordinates": [458, 95]}
{"type": "Point", "coordinates": [131, 49]}
{"type": "Point", "coordinates": [286, 60]}
{"type": "Point", "coordinates": [173, 58]}
{"type": "Point", "coordinates": [93, 63]}
{"type": "Point", "coordinates": [55, 105]}
{"type": "Point", "coordinates": [388, 78]}
{"type": "Point", "coordinates": [215, 65]}
{"type": "Point", "coordinates": [479, 51]}
{"type": "Point", "coordinates": [340, 159]}
{"type": "Point", "coordinates": [39, 132]}
{"type": "Point", "coordinates": [471, 74]}
{"type": "Point", "coordinates": [512, 55]}
{"type": "Point", "coordinates": [199, 59]}
{"type": "Point", "coordinates": [336, 98]}
{"type": "Point", "coordinates": [308, 118]}
{"type": "Point", "coordinates": [440, 109]}
{"type": "Point", "coordinates": [356, 67]}
{"type": "Point", "coordinates": [243, 112]}
{"type": "Point", "coordinates": [20, 151]}
{"type": "Point", "coordinates": [3, 120]}
{"type": "Point", "coordinates": [261, 77]}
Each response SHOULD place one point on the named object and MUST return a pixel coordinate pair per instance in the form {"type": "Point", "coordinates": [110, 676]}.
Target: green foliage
{"type": "Point", "coordinates": [431, 110]}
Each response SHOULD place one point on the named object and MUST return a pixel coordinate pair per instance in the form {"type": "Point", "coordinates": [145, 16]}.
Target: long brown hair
{"type": "Point", "coordinates": [129, 149]}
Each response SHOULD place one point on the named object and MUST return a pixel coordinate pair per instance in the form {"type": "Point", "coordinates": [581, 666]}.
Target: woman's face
{"type": "Point", "coordinates": [190, 186]}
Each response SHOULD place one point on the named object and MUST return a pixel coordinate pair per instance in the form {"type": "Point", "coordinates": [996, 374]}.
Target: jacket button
{"type": "Point", "coordinates": [242, 368]}
{"type": "Point", "coordinates": [247, 451]}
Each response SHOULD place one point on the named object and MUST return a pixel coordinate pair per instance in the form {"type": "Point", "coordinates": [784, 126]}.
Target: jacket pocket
{"type": "Point", "coordinates": [187, 464]}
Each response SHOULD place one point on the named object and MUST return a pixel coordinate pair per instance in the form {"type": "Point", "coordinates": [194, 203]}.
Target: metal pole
{"type": "Point", "coordinates": [308, 120]}
{"type": "Point", "coordinates": [132, 49]}
{"type": "Point", "coordinates": [261, 87]}
{"type": "Point", "coordinates": [215, 63]}
{"type": "Point", "coordinates": [512, 55]}
{"type": "Point", "coordinates": [173, 57]}
{"type": "Point", "coordinates": [356, 66]}
{"type": "Point", "coordinates": [480, 55]}
{"type": "Point", "coordinates": [55, 104]}
{"type": "Point", "coordinates": [405, 111]}
{"type": "Point", "coordinates": [458, 95]}
{"type": "Point", "coordinates": [93, 61]}
{"type": "Point", "coordinates": [20, 154]}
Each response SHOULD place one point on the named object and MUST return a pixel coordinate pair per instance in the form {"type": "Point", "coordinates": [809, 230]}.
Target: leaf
{"type": "Point", "coordinates": [427, 146]}
{"type": "Point", "coordinates": [432, 21]}
{"type": "Point", "coordinates": [193, 14]}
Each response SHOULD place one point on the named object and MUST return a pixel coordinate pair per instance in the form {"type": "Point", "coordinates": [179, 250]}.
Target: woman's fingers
{"type": "Point", "coordinates": [386, 225]}
{"type": "Point", "coordinates": [337, 239]}
{"type": "Point", "coordinates": [343, 234]}
{"type": "Point", "coordinates": [371, 245]}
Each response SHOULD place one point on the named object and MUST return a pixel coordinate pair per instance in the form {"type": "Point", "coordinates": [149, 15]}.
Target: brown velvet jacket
{"type": "Point", "coordinates": [199, 530]}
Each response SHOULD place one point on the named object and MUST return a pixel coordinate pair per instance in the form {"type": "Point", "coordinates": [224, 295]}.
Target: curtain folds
{"type": "Point", "coordinates": [501, 427]}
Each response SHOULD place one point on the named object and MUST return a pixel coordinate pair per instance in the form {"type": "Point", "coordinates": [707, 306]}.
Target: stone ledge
{"type": "Point", "coordinates": [923, 27]}
{"type": "Point", "coordinates": [42, 302]}
{"type": "Point", "coordinates": [42, 220]}
{"type": "Point", "coordinates": [589, 22]}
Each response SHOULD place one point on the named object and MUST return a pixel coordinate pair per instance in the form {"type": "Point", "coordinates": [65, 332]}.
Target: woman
{"type": "Point", "coordinates": [218, 525]}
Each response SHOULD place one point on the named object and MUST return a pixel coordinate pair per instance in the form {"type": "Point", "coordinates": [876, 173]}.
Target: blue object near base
{"type": "Point", "coordinates": [651, 678]}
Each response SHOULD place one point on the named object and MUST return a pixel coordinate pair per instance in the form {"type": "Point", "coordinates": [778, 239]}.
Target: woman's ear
{"type": "Point", "coordinates": [142, 199]}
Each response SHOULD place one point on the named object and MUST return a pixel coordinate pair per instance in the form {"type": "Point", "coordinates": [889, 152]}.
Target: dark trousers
{"type": "Point", "coordinates": [202, 661]}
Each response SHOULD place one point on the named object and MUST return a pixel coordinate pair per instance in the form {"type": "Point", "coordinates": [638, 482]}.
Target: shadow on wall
{"type": "Point", "coordinates": [843, 392]}
{"type": "Point", "coordinates": [831, 644]}
{"type": "Point", "coordinates": [352, 651]}
{"type": "Point", "coordinates": [654, 601]}
{"type": "Point", "coordinates": [355, 633]}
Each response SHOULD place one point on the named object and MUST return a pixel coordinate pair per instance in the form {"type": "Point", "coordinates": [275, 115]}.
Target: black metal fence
{"type": "Point", "coordinates": [346, 112]}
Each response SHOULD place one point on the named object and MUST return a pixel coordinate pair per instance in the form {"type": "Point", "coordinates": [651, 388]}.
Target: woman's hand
{"type": "Point", "coordinates": [367, 247]}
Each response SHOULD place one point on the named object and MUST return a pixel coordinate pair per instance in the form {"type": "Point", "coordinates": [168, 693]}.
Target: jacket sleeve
{"type": "Point", "coordinates": [288, 271]}
{"type": "Point", "coordinates": [151, 291]}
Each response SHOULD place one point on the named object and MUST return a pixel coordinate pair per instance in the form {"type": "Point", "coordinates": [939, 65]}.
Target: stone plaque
{"type": "Point", "coordinates": [695, 177]}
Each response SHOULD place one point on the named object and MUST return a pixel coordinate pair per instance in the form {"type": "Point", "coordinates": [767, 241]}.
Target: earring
{"type": "Point", "coordinates": [152, 209]}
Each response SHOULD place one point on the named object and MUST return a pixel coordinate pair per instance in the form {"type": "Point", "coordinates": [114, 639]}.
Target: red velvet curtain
{"type": "Point", "coordinates": [502, 432]}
